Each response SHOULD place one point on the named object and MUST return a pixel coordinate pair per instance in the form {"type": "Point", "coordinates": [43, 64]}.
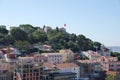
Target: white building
{"type": "Point", "coordinates": [65, 67]}
{"type": "Point", "coordinates": [91, 55]}
{"type": "Point", "coordinates": [54, 57]}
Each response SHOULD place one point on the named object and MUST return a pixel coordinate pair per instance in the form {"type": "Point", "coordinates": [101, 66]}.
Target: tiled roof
{"type": "Point", "coordinates": [60, 66]}
{"type": "Point", "coordinates": [66, 65]}
{"type": "Point", "coordinates": [50, 53]}
{"type": "Point", "coordinates": [111, 72]}
{"type": "Point", "coordinates": [87, 61]}
{"type": "Point", "coordinates": [49, 65]}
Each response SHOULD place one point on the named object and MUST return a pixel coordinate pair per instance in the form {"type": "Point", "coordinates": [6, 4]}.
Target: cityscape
{"type": "Point", "coordinates": [59, 40]}
{"type": "Point", "coordinates": [41, 61]}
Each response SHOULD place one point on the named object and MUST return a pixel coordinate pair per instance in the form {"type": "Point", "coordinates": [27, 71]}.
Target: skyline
{"type": "Point", "coordinates": [96, 19]}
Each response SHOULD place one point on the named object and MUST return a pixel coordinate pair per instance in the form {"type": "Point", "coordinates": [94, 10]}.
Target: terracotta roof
{"type": "Point", "coordinates": [49, 65]}
{"type": "Point", "coordinates": [60, 66]}
{"type": "Point", "coordinates": [66, 65]}
{"type": "Point", "coordinates": [25, 57]}
{"type": "Point", "coordinates": [111, 72]}
{"type": "Point", "coordinates": [103, 58]}
{"type": "Point", "coordinates": [112, 58]}
{"type": "Point", "coordinates": [50, 53]}
{"type": "Point", "coordinates": [87, 61]}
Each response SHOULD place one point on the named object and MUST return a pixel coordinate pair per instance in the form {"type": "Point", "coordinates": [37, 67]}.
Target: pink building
{"type": "Point", "coordinates": [4, 70]}
{"type": "Point", "coordinates": [114, 64]}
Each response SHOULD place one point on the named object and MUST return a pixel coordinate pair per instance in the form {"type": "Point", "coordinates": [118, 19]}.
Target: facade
{"type": "Point", "coordinates": [114, 64]}
{"type": "Point", "coordinates": [88, 67]}
{"type": "Point", "coordinates": [68, 55]}
{"type": "Point", "coordinates": [64, 68]}
{"type": "Point", "coordinates": [54, 57]}
{"type": "Point", "coordinates": [104, 63]}
{"type": "Point", "coordinates": [28, 68]}
{"type": "Point", "coordinates": [63, 76]}
{"type": "Point", "coordinates": [4, 70]}
{"type": "Point", "coordinates": [104, 51]}
{"type": "Point", "coordinates": [69, 67]}
{"type": "Point", "coordinates": [44, 58]}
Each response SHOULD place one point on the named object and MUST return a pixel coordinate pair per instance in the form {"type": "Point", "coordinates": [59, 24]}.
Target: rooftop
{"type": "Point", "coordinates": [60, 66]}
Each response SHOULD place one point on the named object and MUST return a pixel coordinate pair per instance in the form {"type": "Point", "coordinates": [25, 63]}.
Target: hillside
{"type": "Point", "coordinates": [26, 35]}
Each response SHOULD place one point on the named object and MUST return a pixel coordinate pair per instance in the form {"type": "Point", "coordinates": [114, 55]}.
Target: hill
{"type": "Point", "coordinates": [26, 35]}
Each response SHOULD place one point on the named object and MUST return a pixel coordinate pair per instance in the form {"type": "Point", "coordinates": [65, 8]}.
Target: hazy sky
{"type": "Point", "coordinates": [98, 20]}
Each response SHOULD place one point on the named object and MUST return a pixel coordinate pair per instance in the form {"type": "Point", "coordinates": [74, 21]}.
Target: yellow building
{"type": "Point", "coordinates": [68, 55]}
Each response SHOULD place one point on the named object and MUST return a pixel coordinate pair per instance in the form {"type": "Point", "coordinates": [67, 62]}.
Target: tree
{"type": "Point", "coordinates": [73, 37]}
{"type": "Point", "coordinates": [22, 45]}
{"type": "Point", "coordinates": [19, 34]}
{"type": "Point", "coordinates": [3, 31]}
{"type": "Point", "coordinates": [96, 45]}
{"type": "Point", "coordinates": [27, 28]}
{"type": "Point", "coordinates": [112, 77]}
{"type": "Point", "coordinates": [81, 41]}
{"type": "Point", "coordinates": [39, 36]}
{"type": "Point", "coordinates": [8, 39]}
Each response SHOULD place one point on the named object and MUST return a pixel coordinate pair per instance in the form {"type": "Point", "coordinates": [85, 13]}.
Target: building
{"type": "Point", "coordinates": [54, 57]}
{"type": "Point", "coordinates": [28, 68]}
{"type": "Point", "coordinates": [114, 64]}
{"type": "Point", "coordinates": [44, 58]}
{"type": "Point", "coordinates": [62, 76]}
{"type": "Point", "coordinates": [65, 68]}
{"type": "Point", "coordinates": [104, 63]}
{"type": "Point", "coordinates": [4, 70]}
{"type": "Point", "coordinates": [91, 55]}
{"type": "Point", "coordinates": [43, 47]}
{"type": "Point", "coordinates": [104, 51]}
{"type": "Point", "coordinates": [68, 55]}
{"type": "Point", "coordinates": [10, 50]}
{"type": "Point", "coordinates": [89, 68]}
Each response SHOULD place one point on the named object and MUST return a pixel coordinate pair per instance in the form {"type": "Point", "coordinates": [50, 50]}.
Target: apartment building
{"type": "Point", "coordinates": [65, 68]}
{"type": "Point", "coordinates": [4, 70]}
{"type": "Point", "coordinates": [114, 64]}
{"type": "Point", "coordinates": [44, 58]}
{"type": "Point", "coordinates": [28, 68]}
{"type": "Point", "coordinates": [54, 57]}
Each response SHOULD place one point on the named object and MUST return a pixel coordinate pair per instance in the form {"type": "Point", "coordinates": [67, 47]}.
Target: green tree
{"type": "Point", "coordinates": [39, 36]}
{"type": "Point", "coordinates": [8, 39]}
{"type": "Point", "coordinates": [81, 41]}
{"type": "Point", "coordinates": [25, 45]}
{"type": "Point", "coordinates": [73, 37]}
{"type": "Point", "coordinates": [27, 28]}
{"type": "Point", "coordinates": [112, 77]}
{"type": "Point", "coordinates": [19, 34]}
{"type": "Point", "coordinates": [3, 31]}
{"type": "Point", "coordinates": [96, 45]}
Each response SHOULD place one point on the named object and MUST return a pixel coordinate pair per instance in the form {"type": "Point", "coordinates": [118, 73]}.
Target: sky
{"type": "Point", "coordinates": [98, 20]}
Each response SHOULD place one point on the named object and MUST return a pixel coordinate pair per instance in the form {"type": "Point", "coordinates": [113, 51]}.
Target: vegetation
{"type": "Point", "coordinates": [112, 77]}
{"type": "Point", "coordinates": [26, 35]}
{"type": "Point", "coordinates": [116, 54]}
